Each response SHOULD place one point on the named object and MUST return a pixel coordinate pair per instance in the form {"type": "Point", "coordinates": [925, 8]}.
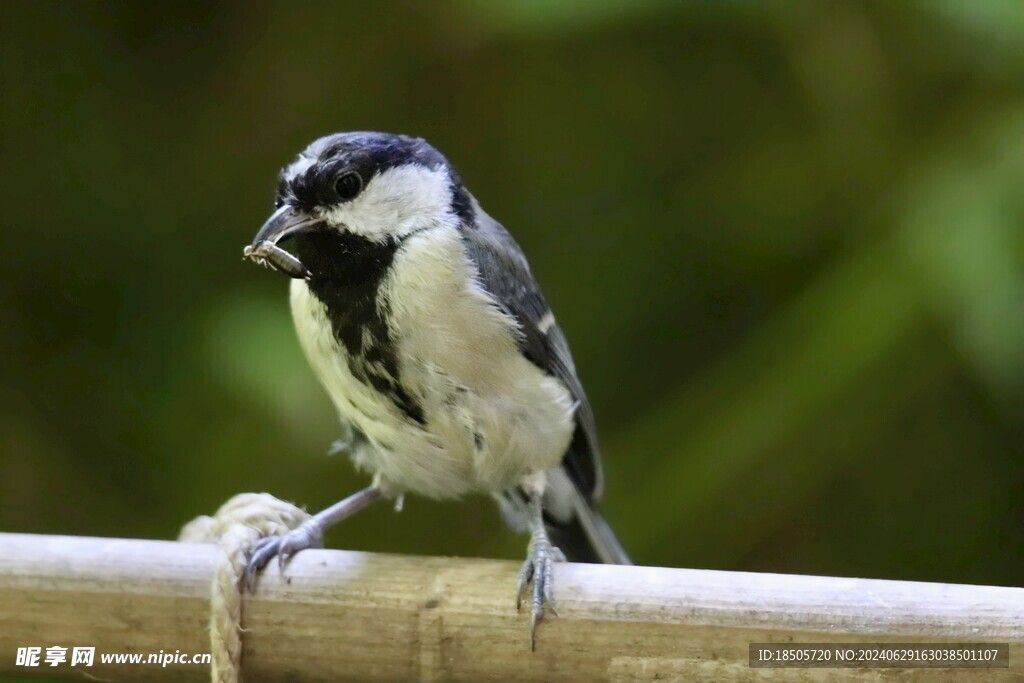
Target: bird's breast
{"type": "Point", "coordinates": [434, 376]}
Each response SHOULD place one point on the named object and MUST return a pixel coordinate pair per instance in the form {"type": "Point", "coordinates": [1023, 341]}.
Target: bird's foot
{"type": "Point", "coordinates": [536, 578]}
{"type": "Point", "coordinates": [307, 535]}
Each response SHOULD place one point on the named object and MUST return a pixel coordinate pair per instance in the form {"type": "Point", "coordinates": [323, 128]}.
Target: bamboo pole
{"type": "Point", "coordinates": [338, 615]}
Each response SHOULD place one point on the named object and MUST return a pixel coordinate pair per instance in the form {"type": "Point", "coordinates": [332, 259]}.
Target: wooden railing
{"type": "Point", "coordinates": [337, 615]}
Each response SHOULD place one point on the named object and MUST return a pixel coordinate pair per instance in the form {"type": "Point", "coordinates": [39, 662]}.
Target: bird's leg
{"type": "Point", "coordinates": [309, 534]}
{"type": "Point", "coordinates": [538, 570]}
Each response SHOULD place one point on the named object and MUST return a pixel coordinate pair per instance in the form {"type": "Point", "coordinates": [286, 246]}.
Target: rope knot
{"type": "Point", "coordinates": [235, 528]}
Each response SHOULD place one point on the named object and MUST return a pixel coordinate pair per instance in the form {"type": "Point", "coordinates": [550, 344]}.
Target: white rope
{"type": "Point", "coordinates": [236, 527]}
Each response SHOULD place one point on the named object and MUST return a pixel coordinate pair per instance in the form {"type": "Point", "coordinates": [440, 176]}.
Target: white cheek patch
{"type": "Point", "coordinates": [396, 202]}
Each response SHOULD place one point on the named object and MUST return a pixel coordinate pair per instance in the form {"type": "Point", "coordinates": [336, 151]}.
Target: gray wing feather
{"type": "Point", "coordinates": [506, 275]}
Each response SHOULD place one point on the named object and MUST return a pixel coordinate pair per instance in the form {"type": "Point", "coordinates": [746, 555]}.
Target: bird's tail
{"type": "Point", "coordinates": [586, 537]}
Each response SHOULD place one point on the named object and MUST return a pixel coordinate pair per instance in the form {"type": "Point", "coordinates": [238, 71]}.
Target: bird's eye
{"type": "Point", "coordinates": [348, 185]}
{"type": "Point", "coordinates": [278, 203]}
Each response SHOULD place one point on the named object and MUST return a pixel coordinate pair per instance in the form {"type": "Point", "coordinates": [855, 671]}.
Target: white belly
{"type": "Point", "coordinates": [490, 416]}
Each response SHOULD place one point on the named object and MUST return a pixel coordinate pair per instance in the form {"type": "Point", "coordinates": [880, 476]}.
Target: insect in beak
{"type": "Point", "coordinates": [269, 255]}
{"type": "Point", "coordinates": [285, 222]}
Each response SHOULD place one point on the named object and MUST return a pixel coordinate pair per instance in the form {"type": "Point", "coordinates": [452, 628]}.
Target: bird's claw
{"type": "Point", "coordinates": [305, 536]}
{"type": "Point", "coordinates": [537, 577]}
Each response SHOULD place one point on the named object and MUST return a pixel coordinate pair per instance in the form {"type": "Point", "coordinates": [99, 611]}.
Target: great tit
{"type": "Point", "coordinates": [420, 316]}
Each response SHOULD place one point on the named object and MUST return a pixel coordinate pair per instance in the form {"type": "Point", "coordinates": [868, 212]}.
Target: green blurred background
{"type": "Point", "coordinates": [784, 240]}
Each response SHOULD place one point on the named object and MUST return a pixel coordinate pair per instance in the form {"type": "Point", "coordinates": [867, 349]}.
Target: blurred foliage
{"type": "Point", "coordinates": [784, 240]}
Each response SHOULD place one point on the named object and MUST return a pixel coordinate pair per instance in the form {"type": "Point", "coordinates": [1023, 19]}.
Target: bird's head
{"type": "Point", "coordinates": [361, 191]}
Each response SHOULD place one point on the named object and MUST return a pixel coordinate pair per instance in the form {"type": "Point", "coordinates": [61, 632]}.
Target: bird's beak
{"type": "Point", "coordinates": [285, 222]}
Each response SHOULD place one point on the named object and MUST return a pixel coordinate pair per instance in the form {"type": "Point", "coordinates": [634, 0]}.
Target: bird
{"type": "Point", "coordinates": [421, 318]}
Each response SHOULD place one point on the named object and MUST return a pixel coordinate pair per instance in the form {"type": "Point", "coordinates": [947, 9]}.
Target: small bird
{"type": "Point", "coordinates": [420, 316]}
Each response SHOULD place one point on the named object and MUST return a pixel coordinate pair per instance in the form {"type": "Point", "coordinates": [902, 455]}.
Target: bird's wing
{"type": "Point", "coordinates": [506, 275]}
